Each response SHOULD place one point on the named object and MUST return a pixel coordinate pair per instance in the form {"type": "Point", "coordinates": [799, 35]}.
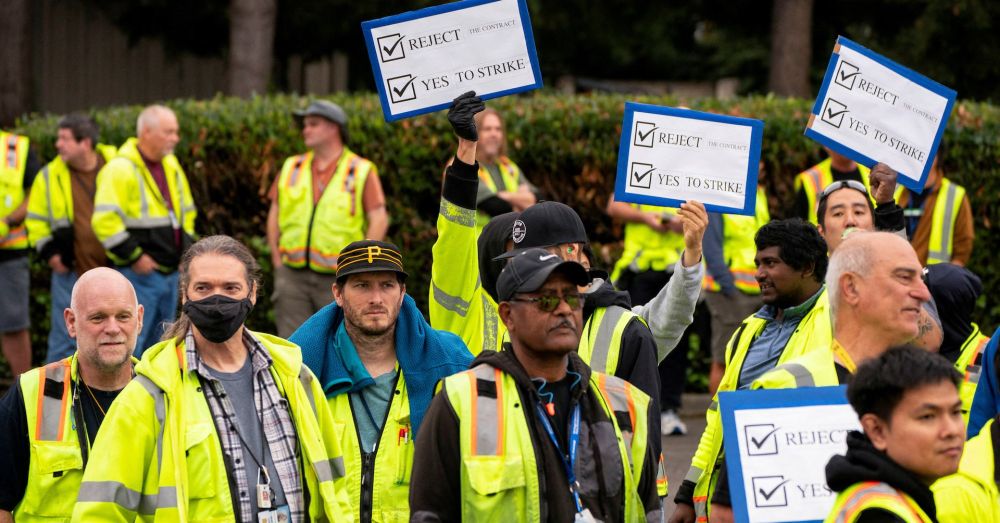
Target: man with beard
{"type": "Point", "coordinates": [378, 361]}
{"type": "Point", "coordinates": [49, 420]}
{"type": "Point", "coordinates": [518, 437]}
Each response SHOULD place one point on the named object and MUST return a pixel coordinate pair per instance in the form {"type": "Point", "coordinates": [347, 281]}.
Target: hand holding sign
{"type": "Point", "coordinates": [883, 183]}
{"type": "Point", "coordinates": [694, 219]}
{"type": "Point", "coordinates": [462, 115]}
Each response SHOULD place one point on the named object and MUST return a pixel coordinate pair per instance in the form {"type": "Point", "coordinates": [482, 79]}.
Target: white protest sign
{"type": "Point", "coordinates": [423, 59]}
{"type": "Point", "coordinates": [778, 443]}
{"type": "Point", "coordinates": [872, 109]}
{"type": "Point", "coordinates": [668, 156]}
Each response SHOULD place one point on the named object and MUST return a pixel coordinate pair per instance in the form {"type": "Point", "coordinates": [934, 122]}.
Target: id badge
{"type": "Point", "coordinates": [281, 514]}
{"type": "Point", "coordinates": [263, 496]}
{"type": "Point", "coordinates": [584, 517]}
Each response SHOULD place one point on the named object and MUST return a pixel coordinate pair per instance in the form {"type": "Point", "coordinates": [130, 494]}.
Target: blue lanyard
{"type": "Point", "coordinates": [574, 442]}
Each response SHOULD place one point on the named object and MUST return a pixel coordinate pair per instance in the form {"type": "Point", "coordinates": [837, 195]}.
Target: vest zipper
{"type": "Point", "coordinates": [368, 458]}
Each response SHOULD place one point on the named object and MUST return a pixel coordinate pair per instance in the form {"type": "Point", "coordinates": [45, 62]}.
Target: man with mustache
{"type": "Point", "coordinates": [791, 263]}
{"type": "Point", "coordinates": [531, 433]}
{"type": "Point", "coordinates": [49, 419]}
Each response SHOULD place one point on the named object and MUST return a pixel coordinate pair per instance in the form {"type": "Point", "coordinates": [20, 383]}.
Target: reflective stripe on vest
{"type": "Point", "coordinates": [970, 364]}
{"type": "Point", "coordinates": [486, 411]}
{"type": "Point", "coordinates": [861, 496]}
{"type": "Point", "coordinates": [50, 421]}
{"type": "Point", "coordinates": [12, 193]}
{"type": "Point", "coordinates": [600, 347]}
{"type": "Point", "coordinates": [949, 201]}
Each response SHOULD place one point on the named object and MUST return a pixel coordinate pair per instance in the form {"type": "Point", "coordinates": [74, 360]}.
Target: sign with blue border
{"type": "Point", "coordinates": [668, 156]}
{"type": "Point", "coordinates": [778, 443]}
{"type": "Point", "coordinates": [872, 110]}
{"type": "Point", "coordinates": [424, 59]}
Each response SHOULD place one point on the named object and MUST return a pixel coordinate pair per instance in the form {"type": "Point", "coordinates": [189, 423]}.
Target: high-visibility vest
{"type": "Point", "coordinates": [647, 249]}
{"type": "Point", "coordinates": [970, 364]}
{"type": "Point", "coordinates": [313, 235]}
{"type": "Point", "coordinates": [510, 173]}
{"type": "Point", "coordinates": [499, 478]}
{"type": "Point", "coordinates": [739, 248]}
{"type": "Point", "coordinates": [389, 485]}
{"type": "Point", "coordinates": [131, 217]}
{"type": "Point", "coordinates": [813, 180]}
{"type": "Point", "coordinates": [12, 165]}
{"type": "Point", "coordinates": [175, 469]}
{"type": "Point", "coordinates": [971, 494]}
{"type": "Point", "coordinates": [875, 495]}
{"type": "Point", "coordinates": [50, 205]}
{"type": "Point", "coordinates": [946, 208]}
{"type": "Point", "coordinates": [813, 330]}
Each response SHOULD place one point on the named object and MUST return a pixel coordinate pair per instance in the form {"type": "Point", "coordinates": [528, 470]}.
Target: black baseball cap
{"type": "Point", "coordinates": [546, 224]}
{"type": "Point", "coordinates": [369, 256]}
{"type": "Point", "coordinates": [529, 269]}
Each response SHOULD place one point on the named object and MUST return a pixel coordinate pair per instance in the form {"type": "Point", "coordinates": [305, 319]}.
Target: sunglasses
{"type": "Point", "coordinates": [841, 184]}
{"type": "Point", "coordinates": [550, 302]}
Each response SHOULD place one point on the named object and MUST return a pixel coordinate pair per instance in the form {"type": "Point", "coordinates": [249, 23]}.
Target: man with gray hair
{"type": "Point", "coordinates": [144, 216]}
{"type": "Point", "coordinates": [49, 420]}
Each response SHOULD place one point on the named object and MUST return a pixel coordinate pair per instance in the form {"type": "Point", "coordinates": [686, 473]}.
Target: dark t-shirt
{"type": "Point", "coordinates": [15, 457]}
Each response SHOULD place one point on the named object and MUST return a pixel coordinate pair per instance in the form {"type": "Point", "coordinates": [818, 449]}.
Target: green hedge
{"type": "Point", "coordinates": [232, 150]}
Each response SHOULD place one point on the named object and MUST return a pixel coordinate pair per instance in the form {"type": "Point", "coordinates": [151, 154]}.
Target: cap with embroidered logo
{"type": "Point", "coordinates": [369, 256]}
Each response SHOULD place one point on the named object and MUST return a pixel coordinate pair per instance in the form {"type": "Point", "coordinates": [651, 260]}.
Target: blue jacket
{"type": "Point", "coordinates": [986, 403]}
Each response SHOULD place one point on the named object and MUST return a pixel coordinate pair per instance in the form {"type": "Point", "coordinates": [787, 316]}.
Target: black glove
{"type": "Point", "coordinates": [462, 115]}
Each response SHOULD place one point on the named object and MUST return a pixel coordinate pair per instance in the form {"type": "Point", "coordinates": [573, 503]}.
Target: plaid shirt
{"type": "Point", "coordinates": [279, 429]}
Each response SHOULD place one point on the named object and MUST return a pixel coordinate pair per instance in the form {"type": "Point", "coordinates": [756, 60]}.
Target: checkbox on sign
{"type": "Point", "coordinates": [390, 47]}
{"type": "Point", "coordinates": [833, 112]}
{"type": "Point", "coordinates": [847, 73]}
{"type": "Point", "coordinates": [401, 88]}
{"type": "Point", "coordinates": [641, 175]}
{"type": "Point", "coordinates": [643, 136]}
{"type": "Point", "coordinates": [762, 440]}
{"type": "Point", "coordinates": [769, 491]}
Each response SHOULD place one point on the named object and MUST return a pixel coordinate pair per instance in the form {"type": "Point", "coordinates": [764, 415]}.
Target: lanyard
{"type": "Point", "coordinates": [844, 357]}
{"type": "Point", "coordinates": [574, 441]}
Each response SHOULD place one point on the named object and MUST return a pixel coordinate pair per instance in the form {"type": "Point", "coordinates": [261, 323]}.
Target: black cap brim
{"type": "Point", "coordinates": [575, 272]}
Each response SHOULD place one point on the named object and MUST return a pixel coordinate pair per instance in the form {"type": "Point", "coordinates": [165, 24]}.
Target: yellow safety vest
{"type": "Point", "coordinates": [390, 486]}
{"type": "Point", "coordinates": [946, 208]}
{"type": "Point", "coordinates": [817, 178]}
{"type": "Point", "coordinates": [128, 204]}
{"type": "Point", "coordinates": [971, 494]}
{"type": "Point", "coordinates": [970, 364]}
{"type": "Point", "coordinates": [499, 473]}
{"type": "Point", "coordinates": [875, 495]}
{"type": "Point", "coordinates": [12, 165]}
{"type": "Point", "coordinates": [511, 175]}
{"type": "Point", "coordinates": [739, 248]}
{"type": "Point", "coordinates": [313, 235]}
{"type": "Point", "coordinates": [175, 469]}
{"type": "Point", "coordinates": [646, 249]}
{"type": "Point", "coordinates": [813, 330]}
{"type": "Point", "coordinates": [50, 205]}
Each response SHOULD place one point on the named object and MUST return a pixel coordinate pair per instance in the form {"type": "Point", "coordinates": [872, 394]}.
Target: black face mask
{"type": "Point", "coordinates": [218, 317]}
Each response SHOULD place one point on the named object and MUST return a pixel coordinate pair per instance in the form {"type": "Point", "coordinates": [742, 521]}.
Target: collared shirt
{"type": "Point", "coordinates": [765, 351]}
{"type": "Point", "coordinates": [279, 429]}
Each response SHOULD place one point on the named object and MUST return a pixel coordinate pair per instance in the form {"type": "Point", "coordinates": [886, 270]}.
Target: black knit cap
{"type": "Point", "coordinates": [546, 224]}
{"type": "Point", "coordinates": [369, 256]}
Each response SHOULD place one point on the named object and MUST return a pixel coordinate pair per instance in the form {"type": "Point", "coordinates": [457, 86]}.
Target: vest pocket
{"type": "Point", "coordinates": [202, 470]}
{"type": "Point", "coordinates": [497, 484]}
{"type": "Point", "coordinates": [54, 479]}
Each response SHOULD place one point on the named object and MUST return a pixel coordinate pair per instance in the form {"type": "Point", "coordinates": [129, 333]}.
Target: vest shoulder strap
{"type": "Point", "coordinates": [487, 415]}
{"type": "Point", "coordinates": [53, 401]}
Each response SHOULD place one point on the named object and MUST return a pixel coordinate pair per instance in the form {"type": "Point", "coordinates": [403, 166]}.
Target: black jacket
{"type": "Point", "coordinates": [435, 495]}
{"type": "Point", "coordinates": [863, 462]}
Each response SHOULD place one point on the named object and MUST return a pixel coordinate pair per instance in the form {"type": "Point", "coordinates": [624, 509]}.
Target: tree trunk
{"type": "Point", "coordinates": [791, 47]}
{"type": "Point", "coordinates": [15, 60]}
{"type": "Point", "coordinates": [251, 45]}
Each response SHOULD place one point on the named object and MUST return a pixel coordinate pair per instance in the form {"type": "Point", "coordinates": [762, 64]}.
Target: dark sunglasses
{"type": "Point", "coordinates": [550, 302]}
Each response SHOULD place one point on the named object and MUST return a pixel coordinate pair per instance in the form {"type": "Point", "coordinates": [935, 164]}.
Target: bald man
{"type": "Point", "coordinates": [56, 407]}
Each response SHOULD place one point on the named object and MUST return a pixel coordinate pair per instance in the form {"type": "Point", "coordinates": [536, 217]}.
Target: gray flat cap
{"type": "Point", "coordinates": [328, 110]}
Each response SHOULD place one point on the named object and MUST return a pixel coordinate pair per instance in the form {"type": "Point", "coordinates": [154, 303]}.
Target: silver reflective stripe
{"type": "Point", "coordinates": [119, 494]}
{"type": "Point", "coordinates": [329, 470]}
{"type": "Point", "coordinates": [148, 223]}
{"type": "Point", "coordinates": [41, 243]}
{"type": "Point", "coordinates": [48, 193]}
{"type": "Point", "coordinates": [60, 223]}
{"type": "Point", "coordinates": [860, 495]}
{"type": "Point", "coordinates": [327, 261]}
{"type": "Point", "coordinates": [694, 474]}
{"type": "Point", "coordinates": [39, 217]}
{"type": "Point", "coordinates": [165, 499]}
{"type": "Point", "coordinates": [487, 413]}
{"type": "Point", "coordinates": [52, 418]}
{"type": "Point", "coordinates": [305, 377]}
{"type": "Point", "coordinates": [803, 378]}
{"type": "Point", "coordinates": [456, 214]}
{"type": "Point", "coordinates": [941, 252]}
{"type": "Point", "coordinates": [615, 388]}
{"type": "Point", "coordinates": [713, 406]}
{"type": "Point", "coordinates": [602, 343]}
{"type": "Point", "coordinates": [489, 323]}
{"type": "Point", "coordinates": [115, 240]}
{"type": "Point", "coordinates": [110, 207]}
{"type": "Point", "coordinates": [160, 408]}
{"type": "Point", "coordinates": [452, 303]}
{"type": "Point", "coordinates": [143, 203]}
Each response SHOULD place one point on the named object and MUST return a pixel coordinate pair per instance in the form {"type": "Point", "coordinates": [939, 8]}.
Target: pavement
{"type": "Point", "coordinates": [678, 450]}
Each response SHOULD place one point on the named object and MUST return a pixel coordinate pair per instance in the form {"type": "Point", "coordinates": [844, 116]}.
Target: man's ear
{"type": "Point", "coordinates": [876, 429]}
{"type": "Point", "coordinates": [338, 294]}
{"type": "Point", "coordinates": [849, 288]}
{"type": "Point", "coordinates": [70, 318]}
{"type": "Point", "coordinates": [505, 311]}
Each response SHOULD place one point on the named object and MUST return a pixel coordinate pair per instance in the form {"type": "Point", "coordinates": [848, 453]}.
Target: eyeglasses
{"type": "Point", "coordinates": [841, 184]}
{"type": "Point", "coordinates": [550, 302]}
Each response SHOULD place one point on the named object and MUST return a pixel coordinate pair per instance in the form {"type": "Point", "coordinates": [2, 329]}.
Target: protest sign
{"type": "Point", "coordinates": [872, 109]}
{"type": "Point", "coordinates": [423, 59]}
{"type": "Point", "coordinates": [778, 443]}
{"type": "Point", "coordinates": [668, 156]}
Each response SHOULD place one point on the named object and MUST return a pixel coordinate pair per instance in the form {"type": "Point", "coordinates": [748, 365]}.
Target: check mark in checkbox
{"type": "Point", "coordinates": [762, 440]}
{"type": "Point", "coordinates": [847, 73]}
{"type": "Point", "coordinates": [641, 175]}
{"type": "Point", "coordinates": [833, 112]}
{"type": "Point", "coordinates": [390, 47]}
{"type": "Point", "coordinates": [644, 134]}
{"type": "Point", "coordinates": [401, 88]}
{"type": "Point", "coordinates": [769, 491]}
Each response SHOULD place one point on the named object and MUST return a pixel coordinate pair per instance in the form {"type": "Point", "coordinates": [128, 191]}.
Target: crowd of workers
{"type": "Point", "coordinates": [540, 386]}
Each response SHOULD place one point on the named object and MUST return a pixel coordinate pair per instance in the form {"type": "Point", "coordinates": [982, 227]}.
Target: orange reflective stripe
{"type": "Point", "coordinates": [500, 421]}
{"type": "Point", "coordinates": [973, 361]}
{"type": "Point", "coordinates": [294, 177]}
{"type": "Point", "coordinates": [40, 415]}
{"type": "Point", "coordinates": [602, 383]}
{"type": "Point", "coordinates": [12, 156]}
